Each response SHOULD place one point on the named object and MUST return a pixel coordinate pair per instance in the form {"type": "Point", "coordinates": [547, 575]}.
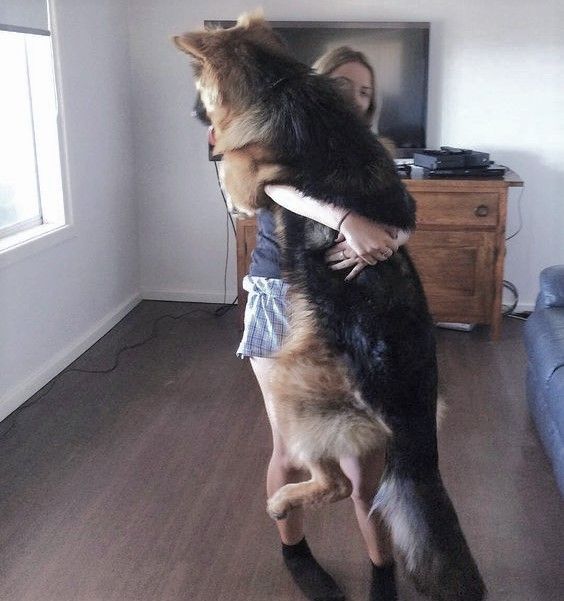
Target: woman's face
{"type": "Point", "coordinates": [356, 81]}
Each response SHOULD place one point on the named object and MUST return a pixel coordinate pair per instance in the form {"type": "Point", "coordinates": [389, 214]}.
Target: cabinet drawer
{"type": "Point", "coordinates": [468, 209]}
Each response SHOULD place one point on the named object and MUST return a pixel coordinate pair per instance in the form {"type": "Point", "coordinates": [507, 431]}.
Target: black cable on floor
{"type": "Point", "coordinates": [514, 316]}
{"type": "Point", "coordinates": [513, 289]}
{"type": "Point", "coordinates": [219, 312]}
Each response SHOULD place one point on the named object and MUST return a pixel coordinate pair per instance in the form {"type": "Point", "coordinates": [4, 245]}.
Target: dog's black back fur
{"type": "Point", "coordinates": [380, 319]}
{"type": "Point", "coordinates": [330, 151]}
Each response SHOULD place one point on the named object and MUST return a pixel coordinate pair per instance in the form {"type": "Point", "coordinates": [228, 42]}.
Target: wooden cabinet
{"type": "Point", "coordinates": [457, 271]}
{"type": "Point", "coordinates": [458, 247]}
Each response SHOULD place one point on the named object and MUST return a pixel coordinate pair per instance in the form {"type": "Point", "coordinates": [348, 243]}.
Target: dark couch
{"type": "Point", "coordinates": [544, 342]}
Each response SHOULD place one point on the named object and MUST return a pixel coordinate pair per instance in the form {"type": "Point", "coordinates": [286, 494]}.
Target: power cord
{"type": "Point", "coordinates": [513, 289]}
{"type": "Point", "coordinates": [515, 316]}
{"type": "Point", "coordinates": [228, 220]}
{"type": "Point", "coordinates": [509, 310]}
{"type": "Point", "coordinates": [520, 226]}
{"type": "Point", "coordinates": [224, 198]}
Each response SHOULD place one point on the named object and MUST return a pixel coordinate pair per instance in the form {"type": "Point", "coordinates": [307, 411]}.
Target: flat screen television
{"type": "Point", "coordinates": [399, 53]}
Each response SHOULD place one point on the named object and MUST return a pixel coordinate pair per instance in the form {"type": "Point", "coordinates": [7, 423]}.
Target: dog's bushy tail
{"type": "Point", "coordinates": [427, 536]}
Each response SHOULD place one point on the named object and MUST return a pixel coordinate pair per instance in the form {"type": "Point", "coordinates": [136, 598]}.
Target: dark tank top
{"type": "Point", "coordinates": [265, 258]}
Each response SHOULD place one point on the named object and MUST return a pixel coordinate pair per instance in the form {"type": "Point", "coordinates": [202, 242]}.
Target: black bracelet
{"type": "Point", "coordinates": [342, 219]}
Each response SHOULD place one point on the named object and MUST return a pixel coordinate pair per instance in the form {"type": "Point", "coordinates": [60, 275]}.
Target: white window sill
{"type": "Point", "coordinates": [24, 244]}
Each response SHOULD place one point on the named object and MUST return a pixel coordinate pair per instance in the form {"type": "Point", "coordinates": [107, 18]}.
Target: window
{"type": "Point", "coordinates": [31, 193]}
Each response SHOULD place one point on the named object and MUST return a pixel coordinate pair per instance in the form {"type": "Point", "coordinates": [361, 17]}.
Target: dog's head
{"type": "Point", "coordinates": [231, 66]}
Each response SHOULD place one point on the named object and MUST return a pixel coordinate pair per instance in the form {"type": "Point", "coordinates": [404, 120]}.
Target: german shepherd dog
{"type": "Point", "coordinates": [358, 369]}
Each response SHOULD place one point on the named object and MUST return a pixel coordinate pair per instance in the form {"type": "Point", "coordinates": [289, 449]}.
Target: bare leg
{"type": "Point", "coordinates": [310, 577]}
{"type": "Point", "coordinates": [280, 470]}
{"type": "Point", "coordinates": [365, 474]}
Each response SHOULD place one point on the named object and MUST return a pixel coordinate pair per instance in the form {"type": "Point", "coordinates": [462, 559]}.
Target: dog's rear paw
{"type": "Point", "coordinates": [278, 507]}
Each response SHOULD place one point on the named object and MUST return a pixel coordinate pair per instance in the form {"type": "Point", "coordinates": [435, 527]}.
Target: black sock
{"type": "Point", "coordinates": [383, 585]}
{"type": "Point", "coordinates": [314, 582]}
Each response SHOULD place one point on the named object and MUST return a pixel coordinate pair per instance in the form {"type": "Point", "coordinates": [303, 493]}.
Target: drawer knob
{"type": "Point", "coordinates": [481, 210]}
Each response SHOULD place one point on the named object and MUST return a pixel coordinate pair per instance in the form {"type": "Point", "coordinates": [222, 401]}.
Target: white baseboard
{"type": "Point", "coordinates": [189, 296]}
{"type": "Point", "coordinates": [20, 393]}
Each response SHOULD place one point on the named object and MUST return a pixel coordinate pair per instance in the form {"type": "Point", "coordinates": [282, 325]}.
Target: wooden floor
{"type": "Point", "coordinates": [147, 484]}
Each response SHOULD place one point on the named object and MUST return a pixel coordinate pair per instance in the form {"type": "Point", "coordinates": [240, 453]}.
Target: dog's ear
{"type": "Point", "coordinates": [192, 44]}
{"type": "Point", "coordinates": [254, 18]}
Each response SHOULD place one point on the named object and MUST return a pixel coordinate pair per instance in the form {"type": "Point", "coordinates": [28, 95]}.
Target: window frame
{"type": "Point", "coordinates": [57, 219]}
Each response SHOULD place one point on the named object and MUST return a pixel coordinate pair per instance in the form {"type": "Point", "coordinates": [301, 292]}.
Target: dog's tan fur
{"type": "Point", "coordinates": [242, 134]}
{"type": "Point", "coordinates": [320, 414]}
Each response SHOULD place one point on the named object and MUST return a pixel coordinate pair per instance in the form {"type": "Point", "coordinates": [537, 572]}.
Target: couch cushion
{"type": "Point", "coordinates": [547, 411]}
{"type": "Point", "coordinates": [544, 341]}
{"type": "Point", "coordinates": [551, 287]}
{"type": "Point", "coordinates": [555, 400]}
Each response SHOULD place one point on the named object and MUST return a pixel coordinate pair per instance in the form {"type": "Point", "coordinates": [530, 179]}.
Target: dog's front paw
{"type": "Point", "coordinates": [278, 506]}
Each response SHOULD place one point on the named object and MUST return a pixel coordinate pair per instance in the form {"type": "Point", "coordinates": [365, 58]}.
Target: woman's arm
{"type": "Point", "coordinates": [291, 199]}
{"type": "Point", "coordinates": [370, 241]}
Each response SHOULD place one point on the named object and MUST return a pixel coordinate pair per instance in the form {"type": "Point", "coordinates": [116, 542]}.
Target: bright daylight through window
{"type": "Point", "coordinates": [30, 169]}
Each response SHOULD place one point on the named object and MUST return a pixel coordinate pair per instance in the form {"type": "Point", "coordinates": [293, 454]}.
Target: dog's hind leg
{"type": "Point", "coordinates": [327, 484]}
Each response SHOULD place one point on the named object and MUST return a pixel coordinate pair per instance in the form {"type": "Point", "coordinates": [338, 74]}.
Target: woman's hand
{"type": "Point", "coordinates": [366, 242]}
{"type": "Point", "coordinates": [370, 241]}
{"type": "Point", "coordinates": [342, 256]}
{"type": "Point", "coordinates": [380, 241]}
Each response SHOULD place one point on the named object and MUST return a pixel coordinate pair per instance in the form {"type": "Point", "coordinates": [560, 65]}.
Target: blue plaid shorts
{"type": "Point", "coordinates": [265, 317]}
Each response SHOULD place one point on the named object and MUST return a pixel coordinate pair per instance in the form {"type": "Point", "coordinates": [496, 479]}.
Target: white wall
{"type": "Point", "coordinates": [181, 217]}
{"type": "Point", "coordinates": [56, 302]}
{"type": "Point", "coordinates": [496, 84]}
{"type": "Point", "coordinates": [149, 194]}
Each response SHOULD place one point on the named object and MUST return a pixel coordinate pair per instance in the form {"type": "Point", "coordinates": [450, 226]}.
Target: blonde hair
{"type": "Point", "coordinates": [333, 59]}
